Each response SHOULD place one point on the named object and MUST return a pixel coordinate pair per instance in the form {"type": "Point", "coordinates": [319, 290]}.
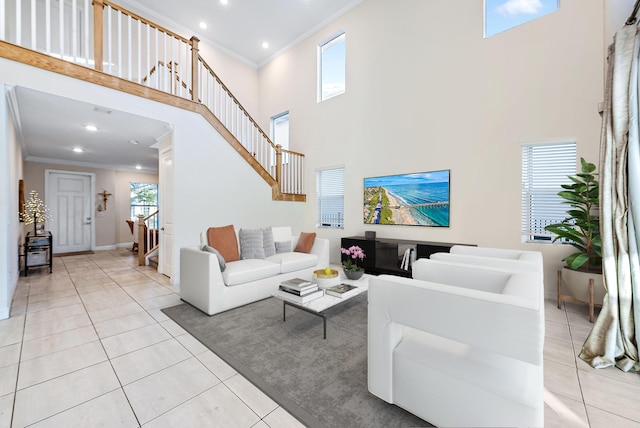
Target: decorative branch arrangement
{"type": "Point", "coordinates": [35, 211]}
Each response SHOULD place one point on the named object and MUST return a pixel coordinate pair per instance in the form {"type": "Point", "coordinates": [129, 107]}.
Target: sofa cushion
{"type": "Point", "coordinates": [221, 262]}
{"type": "Point", "coordinates": [305, 242]}
{"type": "Point", "coordinates": [268, 242]}
{"type": "Point", "coordinates": [225, 241]}
{"type": "Point", "coordinates": [251, 244]}
{"type": "Point", "coordinates": [292, 261]}
{"type": "Point", "coordinates": [283, 247]}
{"type": "Point", "coordinates": [241, 271]}
{"type": "Point", "coordinates": [281, 233]}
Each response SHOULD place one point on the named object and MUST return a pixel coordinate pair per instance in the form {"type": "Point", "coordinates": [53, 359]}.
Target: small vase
{"type": "Point", "coordinates": [354, 274]}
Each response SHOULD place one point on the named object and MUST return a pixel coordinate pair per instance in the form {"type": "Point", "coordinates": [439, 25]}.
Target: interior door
{"type": "Point", "coordinates": [165, 188]}
{"type": "Point", "coordinates": [68, 197]}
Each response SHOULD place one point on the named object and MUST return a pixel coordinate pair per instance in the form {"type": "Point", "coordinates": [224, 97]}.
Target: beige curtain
{"type": "Point", "coordinates": [614, 337]}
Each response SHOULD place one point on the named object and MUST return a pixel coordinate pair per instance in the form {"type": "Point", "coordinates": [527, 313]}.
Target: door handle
{"type": "Point", "coordinates": [162, 228]}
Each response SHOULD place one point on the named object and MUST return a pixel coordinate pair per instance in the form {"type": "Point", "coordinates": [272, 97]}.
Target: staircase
{"type": "Point", "coordinates": [102, 43]}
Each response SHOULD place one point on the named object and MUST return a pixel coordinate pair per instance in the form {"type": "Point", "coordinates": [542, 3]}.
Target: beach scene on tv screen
{"type": "Point", "coordinates": [420, 199]}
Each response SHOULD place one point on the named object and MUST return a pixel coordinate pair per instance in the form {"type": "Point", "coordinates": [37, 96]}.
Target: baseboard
{"type": "Point", "coordinates": [105, 248]}
{"type": "Point", "coordinates": [551, 296]}
{"type": "Point", "coordinates": [124, 245]}
{"type": "Point", "coordinates": [4, 312]}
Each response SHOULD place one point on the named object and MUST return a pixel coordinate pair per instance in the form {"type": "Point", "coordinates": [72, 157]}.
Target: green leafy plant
{"type": "Point", "coordinates": [582, 228]}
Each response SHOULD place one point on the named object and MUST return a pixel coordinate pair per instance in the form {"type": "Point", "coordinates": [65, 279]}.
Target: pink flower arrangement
{"type": "Point", "coordinates": [355, 253]}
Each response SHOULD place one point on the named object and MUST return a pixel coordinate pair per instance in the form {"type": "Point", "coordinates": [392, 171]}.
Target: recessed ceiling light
{"type": "Point", "coordinates": [224, 1]}
{"type": "Point", "coordinates": [138, 166]}
{"type": "Point", "coordinates": [90, 128]}
{"type": "Point", "coordinates": [203, 25]}
{"type": "Point", "coordinates": [265, 45]}
{"type": "Point", "coordinates": [77, 149]}
{"type": "Point", "coordinates": [134, 142]}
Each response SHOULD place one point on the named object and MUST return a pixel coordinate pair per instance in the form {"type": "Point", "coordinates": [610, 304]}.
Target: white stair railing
{"type": "Point", "coordinates": [123, 44]}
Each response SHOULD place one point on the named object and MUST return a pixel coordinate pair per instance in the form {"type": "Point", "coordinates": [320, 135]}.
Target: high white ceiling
{"type": "Point", "coordinates": [51, 126]}
{"type": "Point", "coordinates": [241, 26]}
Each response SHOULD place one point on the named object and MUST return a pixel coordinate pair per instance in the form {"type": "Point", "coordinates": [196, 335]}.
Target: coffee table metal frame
{"type": "Point", "coordinates": [318, 306]}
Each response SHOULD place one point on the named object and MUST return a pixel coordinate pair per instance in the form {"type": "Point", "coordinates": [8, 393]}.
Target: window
{"type": "Point", "coordinates": [144, 199]}
{"type": "Point", "coordinates": [545, 167]}
{"type": "Point", "coordinates": [280, 129]}
{"type": "Point", "coordinates": [502, 15]}
{"type": "Point", "coordinates": [332, 67]}
{"type": "Point", "coordinates": [330, 197]}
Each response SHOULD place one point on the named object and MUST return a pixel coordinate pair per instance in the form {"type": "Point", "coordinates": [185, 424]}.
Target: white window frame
{"type": "Point", "coordinates": [546, 165]}
{"type": "Point", "coordinates": [330, 197]}
{"type": "Point", "coordinates": [275, 120]}
{"type": "Point", "coordinates": [322, 47]}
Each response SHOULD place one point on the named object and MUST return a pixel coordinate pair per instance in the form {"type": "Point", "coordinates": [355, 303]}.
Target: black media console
{"type": "Point", "coordinates": [385, 256]}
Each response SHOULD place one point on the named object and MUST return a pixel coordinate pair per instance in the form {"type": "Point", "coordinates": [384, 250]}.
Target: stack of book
{"type": "Point", "coordinates": [342, 291]}
{"type": "Point", "coordinates": [300, 290]}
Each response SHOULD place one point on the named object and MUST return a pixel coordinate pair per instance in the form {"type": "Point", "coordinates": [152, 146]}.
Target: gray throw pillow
{"type": "Point", "coordinates": [268, 243]}
{"type": "Point", "coordinates": [283, 247]}
{"type": "Point", "coordinates": [251, 244]}
{"type": "Point", "coordinates": [221, 261]}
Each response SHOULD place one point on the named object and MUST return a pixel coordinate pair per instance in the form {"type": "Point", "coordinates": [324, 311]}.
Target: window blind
{"type": "Point", "coordinates": [330, 197]}
{"type": "Point", "coordinates": [545, 167]}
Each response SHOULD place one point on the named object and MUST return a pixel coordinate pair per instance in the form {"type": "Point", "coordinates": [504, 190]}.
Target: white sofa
{"type": "Point", "coordinates": [459, 345]}
{"type": "Point", "coordinates": [205, 286]}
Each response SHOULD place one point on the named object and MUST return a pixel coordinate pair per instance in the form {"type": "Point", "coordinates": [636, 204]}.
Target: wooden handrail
{"type": "Point", "coordinates": [292, 152]}
{"type": "Point", "coordinates": [147, 237]}
{"type": "Point", "coordinates": [141, 19]}
{"type": "Point", "coordinates": [150, 215]}
{"type": "Point", "coordinates": [243, 132]}
{"type": "Point", "coordinates": [169, 67]}
{"type": "Point", "coordinates": [235, 100]}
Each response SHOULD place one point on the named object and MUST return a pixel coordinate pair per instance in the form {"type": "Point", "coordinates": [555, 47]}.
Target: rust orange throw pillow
{"type": "Point", "coordinates": [225, 241]}
{"type": "Point", "coordinates": [305, 242]}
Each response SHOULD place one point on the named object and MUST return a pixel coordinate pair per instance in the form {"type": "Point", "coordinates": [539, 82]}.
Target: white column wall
{"type": "Point", "coordinates": [213, 186]}
{"type": "Point", "coordinates": [10, 174]}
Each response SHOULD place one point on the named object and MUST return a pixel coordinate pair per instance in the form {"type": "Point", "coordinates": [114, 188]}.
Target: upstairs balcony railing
{"type": "Point", "coordinates": [103, 36]}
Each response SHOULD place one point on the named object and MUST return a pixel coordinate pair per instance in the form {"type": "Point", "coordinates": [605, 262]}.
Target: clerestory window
{"type": "Point", "coordinates": [332, 67]}
{"type": "Point", "coordinates": [502, 15]}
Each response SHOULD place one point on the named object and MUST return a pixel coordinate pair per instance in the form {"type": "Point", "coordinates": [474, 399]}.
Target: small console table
{"type": "Point", "coordinates": [385, 255]}
{"type": "Point", "coordinates": [38, 251]}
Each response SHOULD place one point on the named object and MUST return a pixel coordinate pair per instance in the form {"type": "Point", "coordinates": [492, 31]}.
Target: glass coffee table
{"type": "Point", "coordinates": [319, 305]}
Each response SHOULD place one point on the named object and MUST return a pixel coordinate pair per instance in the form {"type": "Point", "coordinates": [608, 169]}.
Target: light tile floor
{"type": "Point", "coordinates": [89, 346]}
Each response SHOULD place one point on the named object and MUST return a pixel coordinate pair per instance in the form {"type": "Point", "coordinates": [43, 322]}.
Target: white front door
{"type": "Point", "coordinates": [165, 188]}
{"type": "Point", "coordinates": [68, 196]}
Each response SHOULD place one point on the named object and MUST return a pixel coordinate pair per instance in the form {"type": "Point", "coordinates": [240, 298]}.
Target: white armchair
{"type": "Point", "coordinates": [460, 346]}
{"type": "Point", "coordinates": [497, 258]}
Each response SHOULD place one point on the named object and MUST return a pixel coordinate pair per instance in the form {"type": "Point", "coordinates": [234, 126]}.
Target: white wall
{"type": "Point", "coordinates": [10, 174]}
{"type": "Point", "coordinates": [213, 185]}
{"type": "Point", "coordinates": [426, 92]}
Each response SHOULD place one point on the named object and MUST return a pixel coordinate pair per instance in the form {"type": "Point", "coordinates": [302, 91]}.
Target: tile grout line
{"type": "Point", "coordinates": [575, 362]}
{"type": "Point", "coordinates": [115, 373]}
{"type": "Point", "coordinates": [24, 327]}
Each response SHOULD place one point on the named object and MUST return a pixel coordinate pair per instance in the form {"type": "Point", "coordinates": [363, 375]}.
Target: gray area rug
{"type": "Point", "coordinates": [323, 383]}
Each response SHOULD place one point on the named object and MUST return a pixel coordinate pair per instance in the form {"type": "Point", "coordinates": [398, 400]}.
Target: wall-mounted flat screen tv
{"type": "Point", "coordinates": [420, 199]}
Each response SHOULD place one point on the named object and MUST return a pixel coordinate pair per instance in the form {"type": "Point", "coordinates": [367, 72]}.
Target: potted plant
{"type": "Point", "coordinates": [581, 229]}
{"type": "Point", "coordinates": [350, 266]}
